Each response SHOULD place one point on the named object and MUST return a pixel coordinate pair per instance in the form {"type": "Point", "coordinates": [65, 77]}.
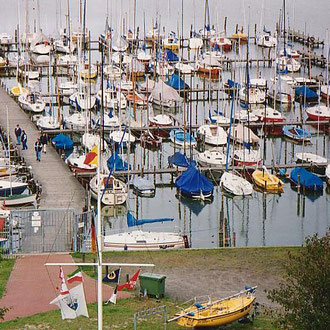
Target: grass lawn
{"type": "Point", "coordinates": [118, 316]}
{"type": "Point", "coordinates": [6, 265]}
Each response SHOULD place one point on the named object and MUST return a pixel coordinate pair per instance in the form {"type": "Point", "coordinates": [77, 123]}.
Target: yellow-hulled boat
{"type": "Point", "coordinates": [18, 90]}
{"type": "Point", "coordinates": [217, 313]}
{"type": "Point", "coordinates": [239, 36]}
{"type": "Point", "coordinates": [267, 181]}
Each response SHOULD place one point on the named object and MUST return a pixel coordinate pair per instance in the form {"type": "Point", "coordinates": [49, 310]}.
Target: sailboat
{"type": "Point", "coordinates": [32, 102]}
{"type": "Point", "coordinates": [114, 191]}
{"type": "Point", "coordinates": [217, 313]}
{"type": "Point", "coordinates": [266, 181]}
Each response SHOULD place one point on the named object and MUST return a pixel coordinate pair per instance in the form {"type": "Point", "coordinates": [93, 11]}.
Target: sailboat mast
{"type": "Point", "coordinates": [99, 243]}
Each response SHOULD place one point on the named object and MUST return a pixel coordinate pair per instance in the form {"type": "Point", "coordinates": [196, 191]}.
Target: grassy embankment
{"type": "Point", "coordinates": [264, 262]}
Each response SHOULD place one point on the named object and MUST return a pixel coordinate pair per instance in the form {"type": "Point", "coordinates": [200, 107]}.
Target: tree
{"type": "Point", "coordinates": [304, 295]}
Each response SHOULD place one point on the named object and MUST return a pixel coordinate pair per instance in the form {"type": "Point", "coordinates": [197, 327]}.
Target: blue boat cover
{"type": "Point", "coordinates": [306, 92]}
{"type": "Point", "coordinates": [170, 56]}
{"type": "Point", "coordinates": [132, 221]}
{"type": "Point", "coordinates": [310, 180]}
{"type": "Point", "coordinates": [177, 83]}
{"type": "Point", "coordinates": [192, 182]}
{"type": "Point", "coordinates": [116, 163]}
{"type": "Point", "coordinates": [179, 159]}
{"type": "Point", "coordinates": [63, 142]}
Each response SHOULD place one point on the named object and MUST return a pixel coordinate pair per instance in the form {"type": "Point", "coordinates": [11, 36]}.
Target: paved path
{"type": "Point", "coordinates": [32, 285]}
{"type": "Point", "coordinates": [60, 189]}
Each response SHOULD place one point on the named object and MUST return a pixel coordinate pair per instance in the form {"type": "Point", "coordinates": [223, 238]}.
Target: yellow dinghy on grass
{"type": "Point", "coordinates": [267, 181]}
{"type": "Point", "coordinates": [217, 313]}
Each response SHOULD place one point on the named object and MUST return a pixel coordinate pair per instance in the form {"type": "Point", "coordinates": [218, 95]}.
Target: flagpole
{"type": "Point", "coordinates": [99, 243]}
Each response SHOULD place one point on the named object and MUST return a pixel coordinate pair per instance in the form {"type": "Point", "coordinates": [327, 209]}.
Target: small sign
{"type": "Point", "coordinates": [81, 225]}
{"type": "Point", "coordinates": [36, 219]}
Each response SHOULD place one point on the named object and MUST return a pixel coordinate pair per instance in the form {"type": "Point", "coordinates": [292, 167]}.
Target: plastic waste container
{"type": "Point", "coordinates": [152, 284]}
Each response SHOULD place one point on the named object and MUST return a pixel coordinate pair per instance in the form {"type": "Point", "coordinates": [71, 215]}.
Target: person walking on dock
{"type": "Point", "coordinates": [44, 141]}
{"type": "Point", "coordinates": [24, 140]}
{"type": "Point", "coordinates": [38, 148]}
{"type": "Point", "coordinates": [18, 133]}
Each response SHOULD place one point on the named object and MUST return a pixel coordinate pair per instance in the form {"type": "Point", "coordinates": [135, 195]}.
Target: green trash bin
{"type": "Point", "coordinates": [152, 284]}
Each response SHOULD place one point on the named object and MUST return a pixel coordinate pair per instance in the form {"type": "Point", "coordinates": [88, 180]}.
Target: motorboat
{"type": "Point", "coordinates": [18, 199]}
{"type": "Point", "coordinates": [114, 191]}
{"type": "Point", "coordinates": [212, 134]}
{"type": "Point", "coordinates": [235, 184]}
{"type": "Point", "coordinates": [139, 240]}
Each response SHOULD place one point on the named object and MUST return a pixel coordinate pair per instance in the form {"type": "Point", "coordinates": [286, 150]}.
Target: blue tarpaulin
{"type": "Point", "coordinates": [116, 163]}
{"type": "Point", "coordinates": [170, 56]}
{"type": "Point", "coordinates": [179, 159]}
{"type": "Point", "coordinates": [305, 92]}
{"type": "Point", "coordinates": [132, 221]}
{"type": "Point", "coordinates": [306, 178]}
{"type": "Point", "coordinates": [63, 142]}
{"type": "Point", "coordinates": [192, 183]}
{"type": "Point", "coordinates": [177, 83]}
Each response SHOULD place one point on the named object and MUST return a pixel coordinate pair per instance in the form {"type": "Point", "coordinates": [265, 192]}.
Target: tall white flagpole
{"type": "Point", "coordinates": [99, 242]}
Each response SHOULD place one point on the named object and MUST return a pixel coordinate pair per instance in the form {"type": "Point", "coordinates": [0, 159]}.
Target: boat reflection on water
{"type": "Point", "coordinates": [112, 211]}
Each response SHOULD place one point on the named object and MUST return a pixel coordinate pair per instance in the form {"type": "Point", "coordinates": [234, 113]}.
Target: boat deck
{"type": "Point", "coordinates": [60, 189]}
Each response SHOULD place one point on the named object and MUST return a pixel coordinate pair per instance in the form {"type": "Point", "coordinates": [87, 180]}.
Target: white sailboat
{"type": "Point", "coordinates": [213, 134]}
{"type": "Point", "coordinates": [235, 184]}
{"type": "Point", "coordinates": [114, 193]}
{"type": "Point", "coordinates": [139, 240]}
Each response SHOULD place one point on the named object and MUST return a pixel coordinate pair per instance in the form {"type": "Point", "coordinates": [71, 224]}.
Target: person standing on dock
{"type": "Point", "coordinates": [44, 141]}
{"type": "Point", "coordinates": [24, 140]}
{"type": "Point", "coordinates": [18, 133]}
{"type": "Point", "coordinates": [38, 149]}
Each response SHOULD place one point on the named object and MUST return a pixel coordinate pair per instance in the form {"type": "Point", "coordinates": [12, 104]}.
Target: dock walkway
{"type": "Point", "coordinates": [60, 189]}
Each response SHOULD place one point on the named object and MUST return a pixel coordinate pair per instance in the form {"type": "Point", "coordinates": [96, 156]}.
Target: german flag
{"type": "Point", "coordinates": [91, 157]}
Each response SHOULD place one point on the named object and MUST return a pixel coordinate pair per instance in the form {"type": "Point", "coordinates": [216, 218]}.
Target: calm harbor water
{"type": "Point", "coordinates": [260, 220]}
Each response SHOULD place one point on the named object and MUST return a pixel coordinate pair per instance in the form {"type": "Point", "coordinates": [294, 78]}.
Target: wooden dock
{"type": "Point", "coordinates": [60, 189]}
